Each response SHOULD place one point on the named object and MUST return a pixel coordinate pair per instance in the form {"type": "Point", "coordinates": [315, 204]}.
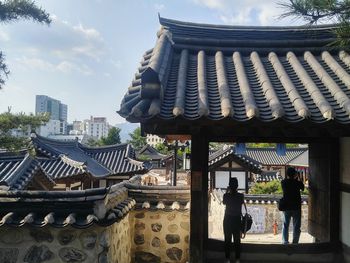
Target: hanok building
{"type": "Point", "coordinates": [61, 165]}
{"type": "Point", "coordinates": [254, 165]}
{"type": "Point", "coordinates": [253, 84]}
{"type": "Point", "coordinates": [151, 154]}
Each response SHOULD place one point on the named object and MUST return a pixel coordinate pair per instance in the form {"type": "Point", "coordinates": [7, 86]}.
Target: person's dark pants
{"type": "Point", "coordinates": [232, 227]}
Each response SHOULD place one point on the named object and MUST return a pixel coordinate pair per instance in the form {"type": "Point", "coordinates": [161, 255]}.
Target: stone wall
{"type": "Point", "coordinates": [264, 216]}
{"type": "Point", "coordinates": [159, 236]}
{"type": "Point", "coordinates": [52, 245]}
{"type": "Point", "coordinates": [119, 241]}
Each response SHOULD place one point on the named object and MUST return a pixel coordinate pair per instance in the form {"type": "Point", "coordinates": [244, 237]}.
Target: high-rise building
{"type": "Point", "coordinates": [58, 115]}
{"type": "Point", "coordinates": [56, 109]}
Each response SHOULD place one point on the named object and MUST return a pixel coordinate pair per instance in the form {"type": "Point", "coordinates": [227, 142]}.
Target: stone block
{"type": "Point", "coordinates": [71, 255]}
{"type": "Point", "coordinates": [88, 239]}
{"type": "Point", "coordinates": [157, 227]}
{"type": "Point", "coordinates": [66, 236]}
{"type": "Point", "coordinates": [140, 215]}
{"type": "Point", "coordinates": [41, 235]}
{"type": "Point", "coordinates": [8, 255]}
{"type": "Point", "coordinates": [174, 253]}
{"type": "Point", "coordinates": [11, 236]}
{"type": "Point", "coordinates": [146, 257]}
{"type": "Point", "coordinates": [155, 242]}
{"type": "Point", "coordinates": [139, 239]}
{"type": "Point", "coordinates": [172, 238]}
{"type": "Point", "coordinates": [185, 225]}
{"type": "Point", "coordinates": [38, 254]}
{"type": "Point", "coordinates": [172, 228]}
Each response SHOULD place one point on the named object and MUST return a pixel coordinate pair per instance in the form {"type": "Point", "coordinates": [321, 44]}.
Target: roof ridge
{"type": "Point", "coordinates": [167, 21]}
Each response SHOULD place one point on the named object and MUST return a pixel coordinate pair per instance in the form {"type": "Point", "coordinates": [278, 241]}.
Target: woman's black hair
{"type": "Point", "coordinates": [233, 183]}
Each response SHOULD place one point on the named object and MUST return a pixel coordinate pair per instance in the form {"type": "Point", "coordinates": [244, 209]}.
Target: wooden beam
{"type": "Point", "coordinates": [199, 198]}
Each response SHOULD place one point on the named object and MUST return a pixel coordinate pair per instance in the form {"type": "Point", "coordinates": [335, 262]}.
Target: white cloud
{"type": "Point", "coordinates": [248, 12]}
{"type": "Point", "coordinates": [4, 36]}
{"type": "Point", "coordinates": [65, 67]}
{"type": "Point", "coordinates": [62, 40]}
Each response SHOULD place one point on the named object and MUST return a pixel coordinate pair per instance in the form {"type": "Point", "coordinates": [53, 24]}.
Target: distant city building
{"type": "Point", "coordinates": [153, 140]}
{"type": "Point", "coordinates": [53, 127]}
{"type": "Point", "coordinates": [58, 115]}
{"type": "Point", "coordinates": [97, 127]}
{"type": "Point", "coordinates": [57, 110]}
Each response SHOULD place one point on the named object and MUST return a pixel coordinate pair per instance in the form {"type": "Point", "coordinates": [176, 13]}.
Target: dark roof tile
{"type": "Point", "coordinates": [219, 72]}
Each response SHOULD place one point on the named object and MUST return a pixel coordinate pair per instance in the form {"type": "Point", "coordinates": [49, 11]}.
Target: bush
{"type": "Point", "coordinates": [271, 188]}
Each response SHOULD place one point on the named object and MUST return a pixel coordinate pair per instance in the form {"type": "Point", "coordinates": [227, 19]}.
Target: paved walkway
{"type": "Point", "coordinates": [275, 239]}
{"type": "Point", "coordinates": [270, 238]}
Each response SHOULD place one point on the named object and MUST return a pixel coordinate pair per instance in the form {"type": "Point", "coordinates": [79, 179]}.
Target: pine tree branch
{"type": "Point", "coordinates": [13, 10]}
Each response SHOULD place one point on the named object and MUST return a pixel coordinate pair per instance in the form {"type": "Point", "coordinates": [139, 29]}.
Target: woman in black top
{"type": "Point", "coordinates": [232, 219]}
{"type": "Point", "coordinates": [291, 187]}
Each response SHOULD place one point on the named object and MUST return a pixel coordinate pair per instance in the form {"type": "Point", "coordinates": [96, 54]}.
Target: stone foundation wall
{"type": "Point", "coordinates": [159, 236]}
{"type": "Point", "coordinates": [52, 245]}
{"type": "Point", "coordinates": [264, 216]}
{"type": "Point", "coordinates": [119, 241]}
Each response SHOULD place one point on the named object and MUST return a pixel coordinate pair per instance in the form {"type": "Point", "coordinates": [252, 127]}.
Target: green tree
{"type": "Point", "coordinates": [137, 141]}
{"type": "Point", "coordinates": [21, 121]}
{"type": "Point", "coordinates": [160, 147]}
{"type": "Point", "coordinates": [315, 11]}
{"type": "Point", "coordinates": [92, 142]}
{"type": "Point", "coordinates": [14, 10]}
{"type": "Point", "coordinates": [113, 137]}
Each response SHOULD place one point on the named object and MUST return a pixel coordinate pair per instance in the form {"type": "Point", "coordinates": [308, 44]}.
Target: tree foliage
{"type": "Point", "coordinates": [113, 137]}
{"type": "Point", "coordinates": [14, 10]}
{"type": "Point", "coordinates": [272, 187]}
{"type": "Point", "coordinates": [160, 147]}
{"type": "Point", "coordinates": [137, 141]}
{"type": "Point", "coordinates": [315, 11]}
{"type": "Point", "coordinates": [22, 122]}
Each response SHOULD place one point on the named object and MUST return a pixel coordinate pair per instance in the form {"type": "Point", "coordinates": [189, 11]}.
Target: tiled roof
{"type": "Point", "coordinates": [67, 158]}
{"type": "Point", "coordinates": [200, 72]}
{"type": "Point", "coordinates": [301, 160]}
{"type": "Point", "coordinates": [152, 153]}
{"type": "Point", "coordinates": [222, 156]}
{"type": "Point", "coordinates": [255, 158]}
{"type": "Point", "coordinates": [17, 171]}
{"type": "Point", "coordinates": [269, 156]}
{"type": "Point", "coordinates": [79, 209]}
{"type": "Point", "coordinates": [119, 159]}
{"type": "Point", "coordinates": [58, 160]}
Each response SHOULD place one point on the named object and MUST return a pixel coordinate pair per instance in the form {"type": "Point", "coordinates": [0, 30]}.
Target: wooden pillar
{"type": "Point", "coordinates": [199, 198]}
{"type": "Point", "coordinates": [323, 193]}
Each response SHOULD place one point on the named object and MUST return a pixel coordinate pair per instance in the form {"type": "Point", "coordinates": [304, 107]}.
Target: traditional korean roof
{"type": "Point", "coordinates": [302, 160]}
{"type": "Point", "coordinates": [241, 76]}
{"type": "Point", "coordinates": [68, 158]}
{"type": "Point", "coordinates": [119, 159]}
{"type": "Point", "coordinates": [225, 154]}
{"type": "Point", "coordinates": [79, 209]}
{"type": "Point", "coordinates": [17, 171]}
{"type": "Point", "coordinates": [152, 153]}
{"type": "Point", "coordinates": [56, 160]}
{"type": "Point", "coordinates": [269, 156]}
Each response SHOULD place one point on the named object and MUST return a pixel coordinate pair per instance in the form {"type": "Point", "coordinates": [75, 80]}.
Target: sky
{"type": "Point", "coordinates": [89, 54]}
